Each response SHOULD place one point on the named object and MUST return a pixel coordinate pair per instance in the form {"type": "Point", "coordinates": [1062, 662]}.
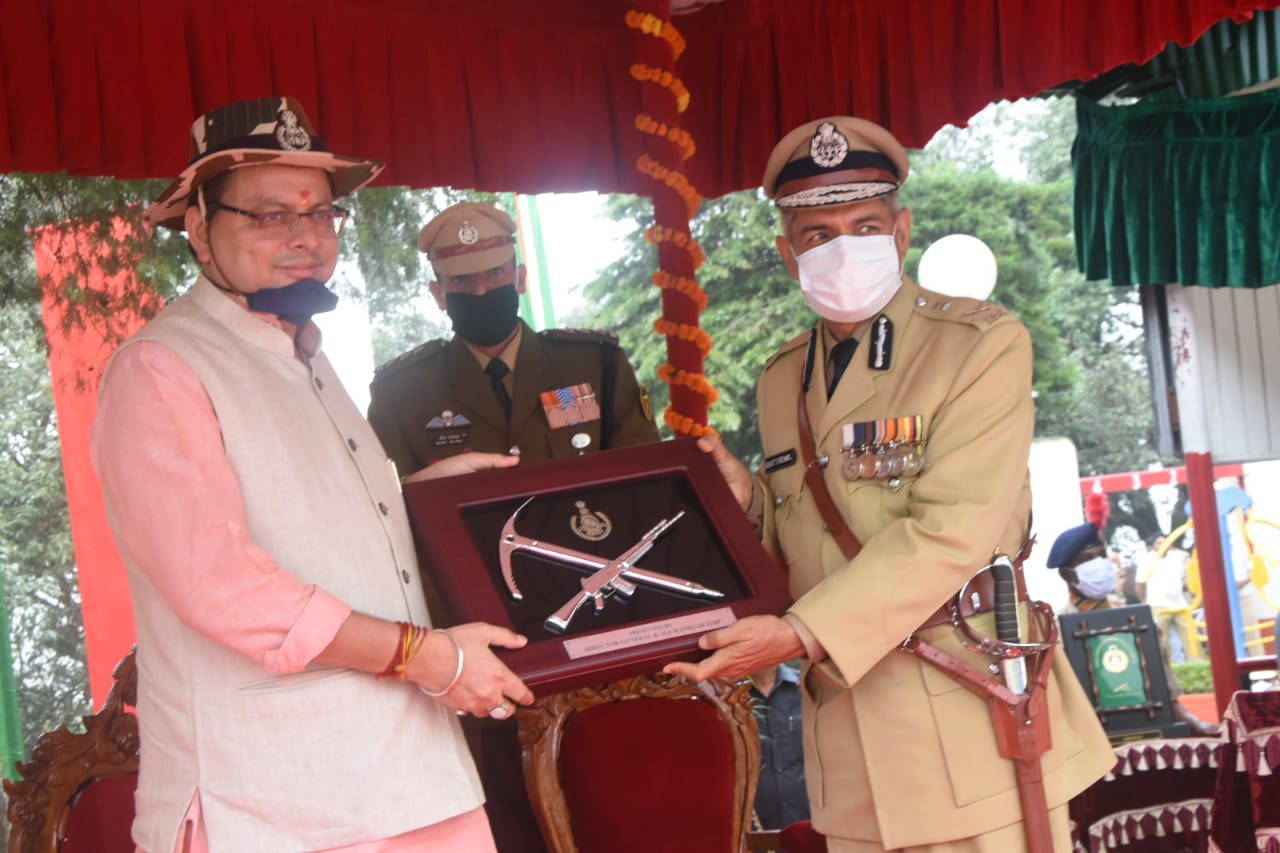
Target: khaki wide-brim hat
{"type": "Point", "coordinates": [834, 160]}
{"type": "Point", "coordinates": [252, 133]}
{"type": "Point", "coordinates": [468, 237]}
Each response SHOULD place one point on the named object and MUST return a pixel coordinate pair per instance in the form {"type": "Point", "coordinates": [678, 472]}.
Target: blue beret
{"type": "Point", "coordinates": [1071, 542]}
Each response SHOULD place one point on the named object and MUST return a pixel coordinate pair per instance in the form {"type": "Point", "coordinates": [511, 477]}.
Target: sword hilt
{"type": "Point", "coordinates": [1005, 594]}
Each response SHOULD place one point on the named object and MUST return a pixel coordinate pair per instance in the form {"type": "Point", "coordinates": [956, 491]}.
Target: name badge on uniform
{"type": "Point", "coordinates": [780, 460]}
{"type": "Point", "coordinates": [448, 429]}
{"type": "Point", "coordinates": [570, 406]}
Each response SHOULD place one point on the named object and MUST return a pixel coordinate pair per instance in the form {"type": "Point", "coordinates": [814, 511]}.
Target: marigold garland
{"type": "Point", "coordinates": [652, 25]}
{"type": "Point", "coordinates": [684, 283]}
{"type": "Point", "coordinates": [695, 382]}
{"type": "Point", "coordinates": [685, 425]}
{"type": "Point", "coordinates": [680, 284]}
{"type": "Point", "coordinates": [664, 234]}
{"type": "Point", "coordinates": [665, 79]}
{"type": "Point", "coordinates": [681, 137]}
{"type": "Point", "coordinates": [673, 179]}
{"type": "Point", "coordinates": [685, 332]}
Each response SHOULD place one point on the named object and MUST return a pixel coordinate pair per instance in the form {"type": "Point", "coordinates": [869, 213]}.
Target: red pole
{"type": "Point", "coordinates": [1213, 578]}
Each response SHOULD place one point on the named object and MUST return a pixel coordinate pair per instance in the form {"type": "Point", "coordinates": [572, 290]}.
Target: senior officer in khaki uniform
{"type": "Point", "coordinates": [927, 428]}
{"type": "Point", "coordinates": [498, 385]}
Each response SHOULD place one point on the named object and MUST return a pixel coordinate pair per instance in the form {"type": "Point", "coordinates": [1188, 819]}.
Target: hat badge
{"type": "Point", "coordinates": [291, 135]}
{"type": "Point", "coordinates": [467, 234]}
{"type": "Point", "coordinates": [829, 146]}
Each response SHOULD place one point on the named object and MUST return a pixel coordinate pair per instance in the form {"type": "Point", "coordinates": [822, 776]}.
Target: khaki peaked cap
{"type": "Point", "coordinates": [468, 237]}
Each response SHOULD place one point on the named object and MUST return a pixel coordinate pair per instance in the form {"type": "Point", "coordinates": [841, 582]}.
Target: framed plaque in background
{"type": "Point", "coordinates": [1115, 653]}
{"type": "Point", "coordinates": [596, 506]}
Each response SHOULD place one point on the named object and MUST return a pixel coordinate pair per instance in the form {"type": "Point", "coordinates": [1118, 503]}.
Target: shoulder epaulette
{"type": "Point", "coordinates": [961, 309]}
{"type": "Point", "coordinates": [582, 336]}
{"type": "Point", "coordinates": [418, 354]}
{"type": "Point", "coordinates": [795, 343]}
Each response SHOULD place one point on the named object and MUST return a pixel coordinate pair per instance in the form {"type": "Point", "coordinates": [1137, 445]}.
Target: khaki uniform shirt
{"type": "Point", "coordinates": [416, 400]}
{"type": "Point", "coordinates": [896, 751]}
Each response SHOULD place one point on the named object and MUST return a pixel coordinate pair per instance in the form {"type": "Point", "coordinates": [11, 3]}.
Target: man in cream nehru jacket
{"type": "Point", "coordinates": [291, 692]}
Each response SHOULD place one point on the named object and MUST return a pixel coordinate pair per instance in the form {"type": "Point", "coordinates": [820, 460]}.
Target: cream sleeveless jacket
{"type": "Point", "coordinates": [323, 757]}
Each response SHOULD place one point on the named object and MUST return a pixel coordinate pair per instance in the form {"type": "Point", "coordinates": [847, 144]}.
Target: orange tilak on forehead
{"type": "Point", "coordinates": [304, 197]}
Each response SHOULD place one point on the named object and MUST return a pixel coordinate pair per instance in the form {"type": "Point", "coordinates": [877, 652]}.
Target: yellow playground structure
{"type": "Point", "coordinates": [1261, 544]}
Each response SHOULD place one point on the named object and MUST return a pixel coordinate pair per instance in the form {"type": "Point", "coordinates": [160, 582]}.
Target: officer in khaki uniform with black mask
{"type": "Point", "coordinates": [920, 433]}
{"type": "Point", "coordinates": [498, 386]}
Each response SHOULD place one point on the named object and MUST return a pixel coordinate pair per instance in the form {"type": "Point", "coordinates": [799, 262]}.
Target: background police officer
{"type": "Point", "coordinates": [498, 385]}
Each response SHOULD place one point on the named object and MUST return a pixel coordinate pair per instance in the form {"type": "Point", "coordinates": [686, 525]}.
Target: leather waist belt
{"type": "Point", "coordinates": [979, 598]}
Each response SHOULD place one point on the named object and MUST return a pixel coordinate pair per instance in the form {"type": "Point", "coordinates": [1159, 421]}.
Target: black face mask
{"type": "Point", "coordinates": [294, 303]}
{"type": "Point", "coordinates": [486, 319]}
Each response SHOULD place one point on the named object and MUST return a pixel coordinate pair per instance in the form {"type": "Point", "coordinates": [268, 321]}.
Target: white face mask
{"type": "Point", "coordinates": [850, 279]}
{"type": "Point", "coordinates": [1096, 577]}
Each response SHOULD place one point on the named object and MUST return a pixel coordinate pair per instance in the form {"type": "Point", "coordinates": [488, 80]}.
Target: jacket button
{"type": "Point", "coordinates": [404, 573]}
{"type": "Point", "coordinates": [777, 500]}
{"type": "Point", "coordinates": [351, 442]}
{"type": "Point", "coordinates": [383, 508]}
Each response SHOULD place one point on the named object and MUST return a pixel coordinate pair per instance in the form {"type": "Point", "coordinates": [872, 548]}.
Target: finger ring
{"type": "Point", "coordinates": [500, 711]}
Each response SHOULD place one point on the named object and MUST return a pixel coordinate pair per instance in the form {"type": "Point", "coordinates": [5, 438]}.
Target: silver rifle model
{"type": "Point", "coordinates": [511, 542]}
{"type": "Point", "coordinates": [603, 582]}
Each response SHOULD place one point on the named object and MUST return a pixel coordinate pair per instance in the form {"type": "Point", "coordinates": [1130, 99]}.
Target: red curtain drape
{"type": "Point", "coordinates": [536, 96]}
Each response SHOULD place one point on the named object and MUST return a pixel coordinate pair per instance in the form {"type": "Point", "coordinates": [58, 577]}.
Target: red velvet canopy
{"type": "Point", "coordinates": [536, 96]}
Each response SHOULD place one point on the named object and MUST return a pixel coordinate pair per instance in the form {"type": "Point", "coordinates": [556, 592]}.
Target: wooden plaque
{"type": "Point", "coordinates": [597, 506]}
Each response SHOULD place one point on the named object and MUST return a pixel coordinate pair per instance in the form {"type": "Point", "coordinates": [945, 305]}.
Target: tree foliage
{"type": "Point", "coordinates": [35, 535]}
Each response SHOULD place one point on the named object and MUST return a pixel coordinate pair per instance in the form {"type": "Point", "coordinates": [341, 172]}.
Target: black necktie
{"type": "Point", "coordinates": [497, 369]}
{"type": "Point", "coordinates": [840, 355]}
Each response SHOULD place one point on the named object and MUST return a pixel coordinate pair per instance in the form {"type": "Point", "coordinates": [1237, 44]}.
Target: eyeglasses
{"type": "Point", "coordinates": [282, 223]}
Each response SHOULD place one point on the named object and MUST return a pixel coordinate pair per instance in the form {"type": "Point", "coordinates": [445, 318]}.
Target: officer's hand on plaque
{"type": "Point", "coordinates": [464, 463]}
{"type": "Point", "coordinates": [748, 645]}
{"type": "Point", "coordinates": [462, 672]}
{"type": "Point", "coordinates": [731, 468]}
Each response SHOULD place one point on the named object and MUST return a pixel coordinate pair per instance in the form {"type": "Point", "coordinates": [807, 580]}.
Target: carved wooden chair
{"type": "Point", "coordinates": [641, 764]}
{"type": "Point", "coordinates": [76, 794]}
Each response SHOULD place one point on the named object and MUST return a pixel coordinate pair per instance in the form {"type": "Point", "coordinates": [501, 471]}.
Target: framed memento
{"type": "Point", "coordinates": [1115, 652]}
{"type": "Point", "coordinates": [612, 563]}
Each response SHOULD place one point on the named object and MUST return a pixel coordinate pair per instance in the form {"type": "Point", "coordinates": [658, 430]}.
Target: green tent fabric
{"type": "Point", "coordinates": [1179, 193]}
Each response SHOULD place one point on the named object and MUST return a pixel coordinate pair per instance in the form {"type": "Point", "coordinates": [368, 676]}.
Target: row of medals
{"type": "Point", "coordinates": [894, 460]}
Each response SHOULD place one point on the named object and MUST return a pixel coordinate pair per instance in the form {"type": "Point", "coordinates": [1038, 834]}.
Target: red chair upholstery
{"type": "Point", "coordinates": [76, 794]}
{"type": "Point", "coordinates": [643, 764]}
{"type": "Point", "coordinates": [798, 837]}
{"type": "Point", "coordinates": [101, 817]}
